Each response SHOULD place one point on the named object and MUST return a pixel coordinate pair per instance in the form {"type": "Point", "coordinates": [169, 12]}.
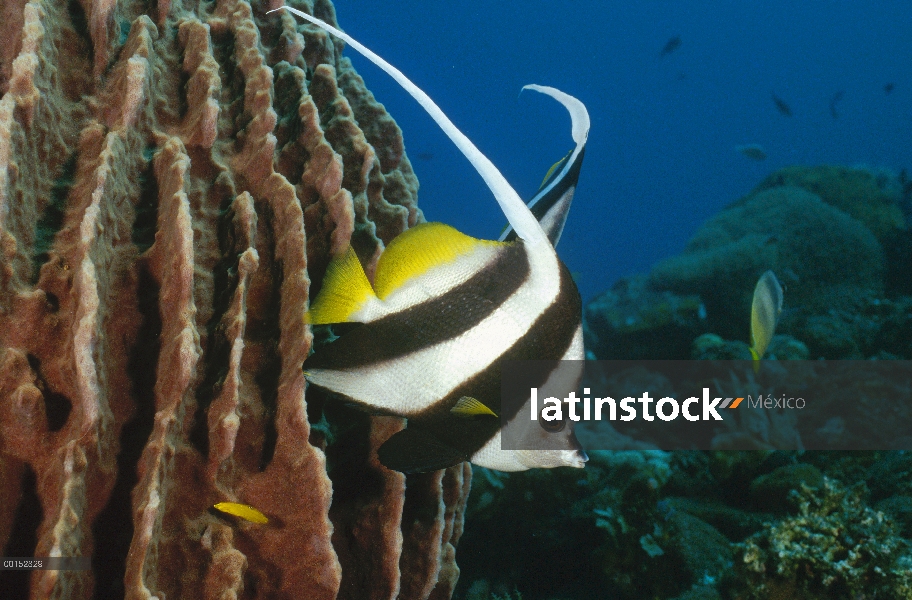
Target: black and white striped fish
{"type": "Point", "coordinates": [445, 310]}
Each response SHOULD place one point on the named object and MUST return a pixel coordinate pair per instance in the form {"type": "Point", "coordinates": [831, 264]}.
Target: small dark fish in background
{"type": "Point", "coordinates": [781, 106]}
{"type": "Point", "coordinates": [752, 151]}
{"type": "Point", "coordinates": [888, 88]}
{"type": "Point", "coordinates": [425, 155]}
{"type": "Point", "coordinates": [833, 101]}
{"type": "Point", "coordinates": [670, 46]}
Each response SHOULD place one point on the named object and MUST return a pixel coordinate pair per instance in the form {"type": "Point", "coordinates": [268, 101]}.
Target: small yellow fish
{"type": "Point", "coordinates": [244, 511]}
{"type": "Point", "coordinates": [765, 311]}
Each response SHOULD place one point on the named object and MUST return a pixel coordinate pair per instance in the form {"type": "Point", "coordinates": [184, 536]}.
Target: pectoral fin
{"type": "Point", "coordinates": [469, 407]}
{"type": "Point", "coordinates": [415, 451]}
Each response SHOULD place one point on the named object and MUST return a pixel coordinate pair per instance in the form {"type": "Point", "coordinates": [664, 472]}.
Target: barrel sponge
{"type": "Point", "coordinates": [825, 257]}
{"type": "Point", "coordinates": [174, 179]}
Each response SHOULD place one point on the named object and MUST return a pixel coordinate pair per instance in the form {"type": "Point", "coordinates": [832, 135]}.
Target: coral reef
{"type": "Point", "coordinates": [826, 257]}
{"type": "Point", "coordinates": [690, 524]}
{"type": "Point", "coordinates": [871, 196]}
{"type": "Point", "coordinates": [631, 321]}
{"type": "Point", "coordinates": [173, 178]}
{"type": "Point", "coordinates": [837, 239]}
{"type": "Point", "coordinates": [835, 547]}
{"type": "Point", "coordinates": [608, 532]}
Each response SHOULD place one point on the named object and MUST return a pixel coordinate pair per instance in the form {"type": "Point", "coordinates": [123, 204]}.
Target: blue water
{"type": "Point", "coordinates": [661, 156]}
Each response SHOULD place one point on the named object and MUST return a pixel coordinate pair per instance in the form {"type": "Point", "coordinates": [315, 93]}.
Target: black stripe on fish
{"type": "Point", "coordinates": [457, 439]}
{"type": "Point", "coordinates": [555, 200]}
{"type": "Point", "coordinates": [430, 322]}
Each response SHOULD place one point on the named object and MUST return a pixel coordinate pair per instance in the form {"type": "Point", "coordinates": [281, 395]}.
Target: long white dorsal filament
{"type": "Point", "coordinates": [579, 116]}
{"type": "Point", "coordinates": [520, 217]}
{"type": "Point", "coordinates": [579, 120]}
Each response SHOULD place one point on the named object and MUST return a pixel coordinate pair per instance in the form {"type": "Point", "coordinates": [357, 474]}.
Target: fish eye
{"type": "Point", "coordinates": [551, 426]}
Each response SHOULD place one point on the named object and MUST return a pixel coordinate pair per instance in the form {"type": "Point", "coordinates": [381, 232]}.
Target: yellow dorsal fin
{"type": "Point", "coordinates": [470, 407]}
{"type": "Point", "coordinates": [345, 290]}
{"type": "Point", "coordinates": [244, 511]}
{"type": "Point", "coordinates": [419, 250]}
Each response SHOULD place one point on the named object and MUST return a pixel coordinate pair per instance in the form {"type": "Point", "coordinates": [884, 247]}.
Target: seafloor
{"type": "Point", "coordinates": [174, 177]}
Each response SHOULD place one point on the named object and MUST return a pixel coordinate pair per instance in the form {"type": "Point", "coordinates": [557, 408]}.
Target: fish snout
{"type": "Point", "coordinates": [575, 458]}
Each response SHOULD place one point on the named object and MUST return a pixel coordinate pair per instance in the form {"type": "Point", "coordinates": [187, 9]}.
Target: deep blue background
{"type": "Point", "coordinates": [661, 156]}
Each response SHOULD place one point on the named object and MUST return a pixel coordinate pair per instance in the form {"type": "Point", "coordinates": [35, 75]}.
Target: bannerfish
{"type": "Point", "coordinates": [244, 511]}
{"type": "Point", "coordinates": [781, 106]}
{"type": "Point", "coordinates": [765, 310]}
{"type": "Point", "coordinates": [752, 151]}
{"type": "Point", "coordinates": [670, 46]}
{"type": "Point", "coordinates": [834, 101]}
{"type": "Point", "coordinates": [444, 311]}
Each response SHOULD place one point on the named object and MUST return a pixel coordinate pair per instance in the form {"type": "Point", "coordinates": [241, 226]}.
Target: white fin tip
{"type": "Point", "coordinates": [579, 116]}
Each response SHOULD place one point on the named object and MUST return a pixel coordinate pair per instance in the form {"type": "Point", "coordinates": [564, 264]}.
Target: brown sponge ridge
{"type": "Point", "coordinates": [175, 177]}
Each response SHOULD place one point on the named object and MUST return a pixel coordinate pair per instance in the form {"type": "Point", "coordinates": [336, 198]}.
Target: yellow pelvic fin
{"type": "Point", "coordinates": [244, 511]}
{"type": "Point", "coordinates": [554, 168]}
{"type": "Point", "coordinates": [470, 407]}
{"type": "Point", "coordinates": [418, 250]}
{"type": "Point", "coordinates": [345, 290]}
